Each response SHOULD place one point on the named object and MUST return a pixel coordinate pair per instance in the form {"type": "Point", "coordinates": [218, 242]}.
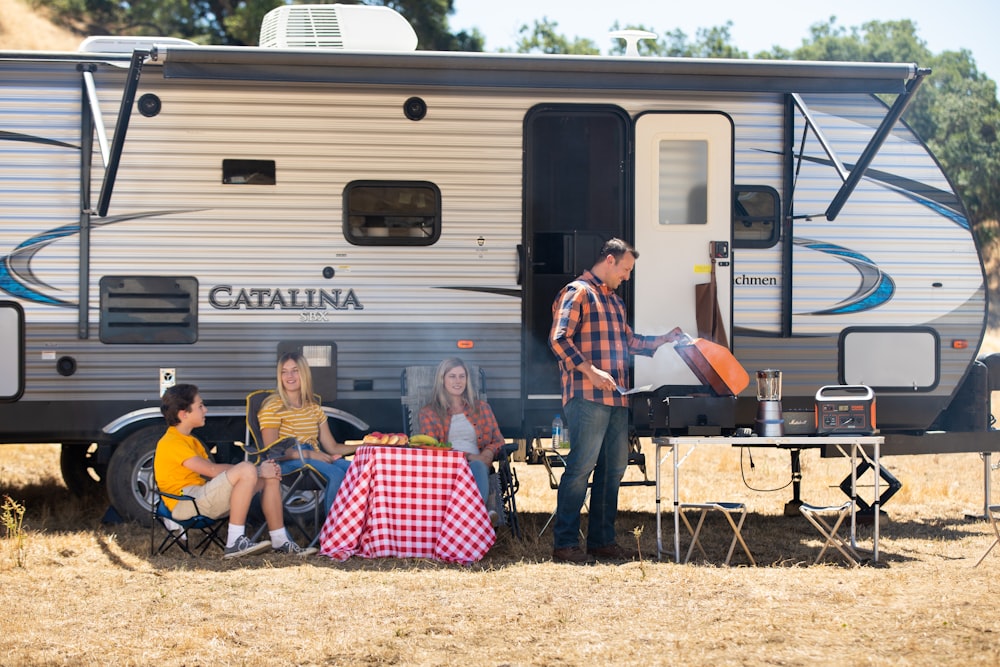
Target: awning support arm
{"type": "Point", "coordinates": [871, 150]}
{"type": "Point", "coordinates": [121, 128]}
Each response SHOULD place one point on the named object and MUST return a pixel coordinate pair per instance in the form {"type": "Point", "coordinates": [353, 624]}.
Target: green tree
{"type": "Point", "coordinates": [541, 37]}
{"type": "Point", "coordinates": [237, 22]}
{"type": "Point", "coordinates": [955, 111]}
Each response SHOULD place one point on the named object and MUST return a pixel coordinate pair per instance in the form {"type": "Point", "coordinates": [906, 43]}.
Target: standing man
{"type": "Point", "coordinates": [592, 341]}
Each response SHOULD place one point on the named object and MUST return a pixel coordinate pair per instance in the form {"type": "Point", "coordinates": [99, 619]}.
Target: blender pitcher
{"type": "Point", "coordinates": [769, 422]}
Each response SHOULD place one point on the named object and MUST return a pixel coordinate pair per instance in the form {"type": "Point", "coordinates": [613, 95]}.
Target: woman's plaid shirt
{"type": "Point", "coordinates": [589, 324]}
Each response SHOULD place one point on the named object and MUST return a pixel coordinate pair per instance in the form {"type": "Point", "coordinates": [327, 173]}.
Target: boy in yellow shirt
{"type": "Point", "coordinates": [182, 466]}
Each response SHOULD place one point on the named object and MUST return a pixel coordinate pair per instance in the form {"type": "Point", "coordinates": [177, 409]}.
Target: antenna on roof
{"type": "Point", "coordinates": [632, 38]}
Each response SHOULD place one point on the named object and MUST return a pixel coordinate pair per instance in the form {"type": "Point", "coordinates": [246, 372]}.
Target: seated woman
{"type": "Point", "coordinates": [292, 412]}
{"type": "Point", "coordinates": [456, 414]}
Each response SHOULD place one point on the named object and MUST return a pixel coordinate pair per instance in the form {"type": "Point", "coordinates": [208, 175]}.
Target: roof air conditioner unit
{"type": "Point", "coordinates": [344, 27]}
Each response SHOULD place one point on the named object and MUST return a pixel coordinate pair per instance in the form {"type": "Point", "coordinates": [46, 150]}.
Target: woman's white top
{"type": "Point", "coordinates": [462, 435]}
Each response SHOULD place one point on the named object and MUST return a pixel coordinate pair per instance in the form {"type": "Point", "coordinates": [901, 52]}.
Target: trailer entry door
{"type": "Point", "coordinates": [575, 198]}
{"type": "Point", "coordinates": [683, 215]}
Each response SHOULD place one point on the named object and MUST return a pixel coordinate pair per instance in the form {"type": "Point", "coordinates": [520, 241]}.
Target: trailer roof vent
{"type": "Point", "coordinates": [344, 27]}
{"type": "Point", "coordinates": [109, 44]}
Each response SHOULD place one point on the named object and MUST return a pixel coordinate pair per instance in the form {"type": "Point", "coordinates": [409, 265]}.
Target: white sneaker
{"type": "Point", "coordinates": [244, 547]}
{"type": "Point", "coordinates": [290, 548]}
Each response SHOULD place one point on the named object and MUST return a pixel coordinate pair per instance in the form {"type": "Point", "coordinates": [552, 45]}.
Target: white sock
{"type": "Point", "coordinates": [234, 534]}
{"type": "Point", "coordinates": [278, 538]}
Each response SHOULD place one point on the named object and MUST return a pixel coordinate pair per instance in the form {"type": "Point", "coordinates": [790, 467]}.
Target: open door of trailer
{"type": "Point", "coordinates": [575, 198]}
{"type": "Point", "coordinates": [683, 228]}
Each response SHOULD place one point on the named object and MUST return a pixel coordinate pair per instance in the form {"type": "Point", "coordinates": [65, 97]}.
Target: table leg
{"type": "Point", "coordinates": [677, 517]}
{"type": "Point", "coordinates": [876, 504]}
{"type": "Point", "coordinates": [659, 528]}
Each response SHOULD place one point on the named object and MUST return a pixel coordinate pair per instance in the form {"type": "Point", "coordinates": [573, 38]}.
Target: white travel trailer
{"type": "Point", "coordinates": [183, 213]}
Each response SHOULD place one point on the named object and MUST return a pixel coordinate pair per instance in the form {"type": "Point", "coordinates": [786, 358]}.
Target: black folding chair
{"type": "Point", "coordinates": [302, 490]}
{"type": "Point", "coordinates": [416, 385]}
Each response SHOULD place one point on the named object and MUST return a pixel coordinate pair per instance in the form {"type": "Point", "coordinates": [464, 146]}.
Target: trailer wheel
{"type": "Point", "coordinates": [80, 471]}
{"type": "Point", "coordinates": [130, 474]}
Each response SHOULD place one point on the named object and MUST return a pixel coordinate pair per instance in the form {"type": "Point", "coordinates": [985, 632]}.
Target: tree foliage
{"type": "Point", "coordinates": [955, 111]}
{"type": "Point", "coordinates": [542, 37]}
{"type": "Point", "coordinates": [237, 22]}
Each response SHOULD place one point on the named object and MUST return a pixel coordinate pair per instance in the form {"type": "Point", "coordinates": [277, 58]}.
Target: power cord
{"type": "Point", "coordinates": [744, 476]}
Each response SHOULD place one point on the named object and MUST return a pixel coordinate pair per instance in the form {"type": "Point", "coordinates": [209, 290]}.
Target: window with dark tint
{"type": "Point", "coordinates": [756, 216]}
{"type": "Point", "coordinates": [248, 172]}
{"type": "Point", "coordinates": [149, 309]}
{"type": "Point", "coordinates": [392, 213]}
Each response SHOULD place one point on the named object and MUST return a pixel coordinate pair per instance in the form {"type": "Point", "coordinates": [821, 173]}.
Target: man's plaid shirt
{"type": "Point", "coordinates": [588, 324]}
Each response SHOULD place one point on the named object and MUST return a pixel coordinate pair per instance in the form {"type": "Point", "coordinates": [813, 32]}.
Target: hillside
{"type": "Point", "coordinates": [24, 29]}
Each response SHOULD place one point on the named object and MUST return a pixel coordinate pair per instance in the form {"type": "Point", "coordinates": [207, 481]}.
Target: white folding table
{"type": "Point", "coordinates": [854, 443]}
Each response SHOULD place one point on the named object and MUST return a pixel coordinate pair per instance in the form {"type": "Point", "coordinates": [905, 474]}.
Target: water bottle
{"type": "Point", "coordinates": [557, 431]}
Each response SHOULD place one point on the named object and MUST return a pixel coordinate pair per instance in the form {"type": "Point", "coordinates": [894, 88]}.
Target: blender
{"type": "Point", "coordinates": [769, 422]}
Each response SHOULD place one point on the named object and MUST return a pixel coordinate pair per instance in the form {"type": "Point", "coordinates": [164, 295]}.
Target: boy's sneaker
{"type": "Point", "coordinates": [290, 548]}
{"type": "Point", "coordinates": [244, 547]}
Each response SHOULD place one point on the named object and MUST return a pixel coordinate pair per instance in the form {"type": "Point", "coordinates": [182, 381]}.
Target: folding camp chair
{"type": "Point", "coordinates": [727, 509]}
{"type": "Point", "coordinates": [416, 386]}
{"type": "Point", "coordinates": [302, 489]}
{"type": "Point", "coordinates": [991, 514]}
{"type": "Point", "coordinates": [820, 516]}
{"type": "Point", "coordinates": [181, 532]}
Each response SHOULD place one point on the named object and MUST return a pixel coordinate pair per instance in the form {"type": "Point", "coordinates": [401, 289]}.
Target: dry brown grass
{"type": "Point", "coordinates": [24, 29]}
{"type": "Point", "coordinates": [90, 594]}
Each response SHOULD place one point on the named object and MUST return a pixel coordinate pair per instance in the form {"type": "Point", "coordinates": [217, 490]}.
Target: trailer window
{"type": "Point", "coordinates": [392, 213]}
{"type": "Point", "coordinates": [683, 182]}
{"type": "Point", "coordinates": [248, 172]}
{"type": "Point", "coordinates": [12, 357]}
{"type": "Point", "coordinates": [756, 216]}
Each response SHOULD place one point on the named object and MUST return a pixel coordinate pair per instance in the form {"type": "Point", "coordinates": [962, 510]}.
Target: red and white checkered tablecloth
{"type": "Point", "coordinates": [408, 503]}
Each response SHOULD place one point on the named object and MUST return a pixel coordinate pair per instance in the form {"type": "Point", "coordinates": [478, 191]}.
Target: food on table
{"type": "Point", "coordinates": [379, 438]}
{"type": "Point", "coordinates": [424, 440]}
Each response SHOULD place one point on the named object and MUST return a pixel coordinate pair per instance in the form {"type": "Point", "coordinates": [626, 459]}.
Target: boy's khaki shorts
{"type": "Point", "coordinates": [213, 499]}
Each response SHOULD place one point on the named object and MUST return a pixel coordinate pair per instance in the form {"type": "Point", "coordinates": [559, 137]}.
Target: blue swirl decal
{"type": "Point", "coordinates": [17, 277]}
{"type": "Point", "coordinates": [876, 287]}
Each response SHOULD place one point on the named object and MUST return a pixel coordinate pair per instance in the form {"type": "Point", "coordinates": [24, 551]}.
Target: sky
{"type": "Point", "coordinates": [944, 25]}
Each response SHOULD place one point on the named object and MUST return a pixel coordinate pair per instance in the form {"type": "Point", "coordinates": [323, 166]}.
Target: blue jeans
{"type": "Point", "coordinates": [333, 473]}
{"type": "Point", "coordinates": [481, 473]}
{"type": "Point", "coordinates": [598, 436]}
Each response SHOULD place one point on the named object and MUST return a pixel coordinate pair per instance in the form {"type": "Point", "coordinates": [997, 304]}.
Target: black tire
{"type": "Point", "coordinates": [80, 471]}
{"type": "Point", "coordinates": [130, 474]}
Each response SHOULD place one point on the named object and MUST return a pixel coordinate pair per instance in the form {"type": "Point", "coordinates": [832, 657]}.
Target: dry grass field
{"type": "Point", "coordinates": [90, 594]}
{"type": "Point", "coordinates": [85, 593]}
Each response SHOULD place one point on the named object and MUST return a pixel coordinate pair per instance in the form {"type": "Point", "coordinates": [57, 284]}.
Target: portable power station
{"type": "Point", "coordinates": [844, 409]}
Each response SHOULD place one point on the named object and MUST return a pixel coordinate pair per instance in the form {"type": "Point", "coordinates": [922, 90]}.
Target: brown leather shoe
{"type": "Point", "coordinates": [613, 551]}
{"type": "Point", "coordinates": [574, 555]}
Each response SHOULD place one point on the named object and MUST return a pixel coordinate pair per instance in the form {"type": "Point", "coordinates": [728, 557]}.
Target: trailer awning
{"type": "Point", "coordinates": [427, 68]}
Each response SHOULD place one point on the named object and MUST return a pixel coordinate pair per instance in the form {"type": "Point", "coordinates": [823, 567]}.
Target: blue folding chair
{"type": "Point", "coordinates": [182, 532]}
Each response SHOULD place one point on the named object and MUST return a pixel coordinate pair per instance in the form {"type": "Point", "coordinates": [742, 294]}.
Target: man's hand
{"type": "Point", "coordinates": [674, 335]}
{"type": "Point", "coordinates": [602, 379]}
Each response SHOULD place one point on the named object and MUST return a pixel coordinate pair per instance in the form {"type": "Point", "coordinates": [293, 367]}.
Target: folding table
{"type": "Point", "coordinates": [854, 443]}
